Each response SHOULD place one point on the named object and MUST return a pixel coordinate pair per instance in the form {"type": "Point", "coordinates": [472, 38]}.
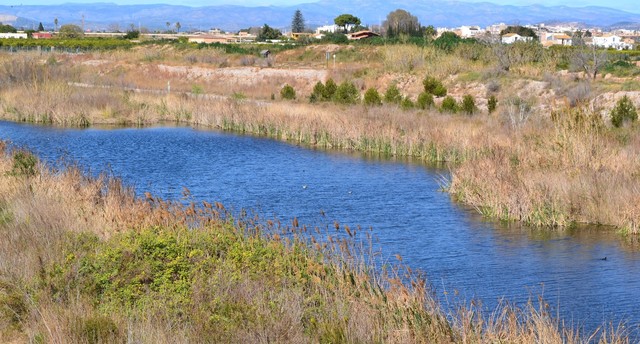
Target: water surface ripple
{"type": "Point", "coordinates": [460, 253]}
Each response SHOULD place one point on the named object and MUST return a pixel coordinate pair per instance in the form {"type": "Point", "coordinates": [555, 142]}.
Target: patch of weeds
{"type": "Point", "coordinates": [631, 85]}
{"type": "Point", "coordinates": [470, 77]}
{"type": "Point", "coordinates": [13, 308]}
{"type": "Point", "coordinates": [96, 329]}
{"type": "Point", "coordinates": [197, 90]}
{"type": "Point", "coordinates": [24, 164]}
{"type": "Point", "coordinates": [238, 96]}
{"type": "Point", "coordinates": [287, 92]}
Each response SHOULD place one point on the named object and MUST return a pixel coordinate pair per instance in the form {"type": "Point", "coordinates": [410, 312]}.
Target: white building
{"type": "Point", "coordinates": [21, 35]}
{"type": "Point", "coordinates": [511, 38]}
{"type": "Point", "coordinates": [611, 41]}
{"type": "Point", "coordinates": [555, 38]}
{"type": "Point", "coordinates": [496, 28]}
{"type": "Point", "coordinates": [470, 31]}
{"type": "Point", "coordinates": [333, 28]}
{"type": "Point", "coordinates": [327, 29]}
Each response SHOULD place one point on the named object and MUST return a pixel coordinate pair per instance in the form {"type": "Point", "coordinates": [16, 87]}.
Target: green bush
{"type": "Point", "coordinates": [317, 93]}
{"type": "Point", "coordinates": [94, 330]}
{"type": "Point", "coordinates": [425, 100]}
{"type": "Point", "coordinates": [287, 92]}
{"type": "Point", "coordinates": [238, 96]}
{"type": "Point", "coordinates": [335, 38]}
{"type": "Point", "coordinates": [623, 112]}
{"type": "Point", "coordinates": [197, 89]}
{"type": "Point", "coordinates": [346, 93]}
{"type": "Point", "coordinates": [392, 95]}
{"type": "Point", "coordinates": [329, 91]}
{"type": "Point", "coordinates": [447, 41]}
{"type": "Point", "coordinates": [7, 28]}
{"type": "Point", "coordinates": [434, 86]}
{"type": "Point", "coordinates": [406, 103]}
{"type": "Point", "coordinates": [492, 103]}
{"type": "Point", "coordinates": [13, 307]}
{"type": "Point", "coordinates": [70, 31]}
{"type": "Point", "coordinates": [134, 34]}
{"type": "Point", "coordinates": [24, 164]}
{"type": "Point", "coordinates": [449, 104]}
{"type": "Point", "coordinates": [468, 104]}
{"type": "Point", "coordinates": [372, 98]}
{"type": "Point", "coordinates": [93, 43]}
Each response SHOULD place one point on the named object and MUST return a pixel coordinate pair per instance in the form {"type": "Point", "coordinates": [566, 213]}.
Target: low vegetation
{"type": "Point", "coordinates": [287, 92]}
{"type": "Point", "coordinates": [505, 108]}
{"type": "Point", "coordinates": [624, 112]}
{"type": "Point", "coordinates": [528, 137]}
{"type": "Point", "coordinates": [84, 261]}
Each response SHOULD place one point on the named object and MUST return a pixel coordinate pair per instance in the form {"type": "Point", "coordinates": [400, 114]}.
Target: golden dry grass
{"type": "Point", "coordinates": [517, 165]}
{"type": "Point", "coordinates": [56, 224]}
{"type": "Point", "coordinates": [571, 169]}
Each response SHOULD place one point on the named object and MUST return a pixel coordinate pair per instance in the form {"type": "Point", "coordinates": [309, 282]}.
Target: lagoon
{"type": "Point", "coordinates": [462, 255]}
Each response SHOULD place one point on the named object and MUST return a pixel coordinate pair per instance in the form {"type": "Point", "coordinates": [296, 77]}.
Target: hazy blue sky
{"type": "Point", "coordinates": [628, 5]}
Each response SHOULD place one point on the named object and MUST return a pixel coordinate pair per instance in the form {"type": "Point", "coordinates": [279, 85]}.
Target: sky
{"type": "Point", "coordinates": [626, 5]}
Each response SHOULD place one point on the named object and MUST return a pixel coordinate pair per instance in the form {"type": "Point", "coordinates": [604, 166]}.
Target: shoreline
{"type": "Point", "coordinates": [95, 264]}
{"type": "Point", "coordinates": [533, 160]}
{"type": "Point", "coordinates": [249, 118]}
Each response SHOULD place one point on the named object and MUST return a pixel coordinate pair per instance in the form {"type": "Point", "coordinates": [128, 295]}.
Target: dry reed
{"type": "Point", "coordinates": [522, 166]}
{"type": "Point", "coordinates": [294, 293]}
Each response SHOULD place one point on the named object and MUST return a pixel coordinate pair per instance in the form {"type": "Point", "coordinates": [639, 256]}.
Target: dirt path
{"type": "Point", "coordinates": [246, 76]}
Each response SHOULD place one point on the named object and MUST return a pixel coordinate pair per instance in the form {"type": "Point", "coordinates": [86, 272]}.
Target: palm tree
{"type": "Point", "coordinates": [178, 26]}
{"type": "Point", "coordinates": [168, 26]}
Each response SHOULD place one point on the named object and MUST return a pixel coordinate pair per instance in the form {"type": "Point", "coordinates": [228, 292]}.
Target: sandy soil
{"type": "Point", "coordinates": [245, 76]}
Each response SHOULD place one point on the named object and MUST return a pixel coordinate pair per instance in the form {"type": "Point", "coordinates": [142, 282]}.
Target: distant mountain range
{"type": "Point", "coordinates": [441, 13]}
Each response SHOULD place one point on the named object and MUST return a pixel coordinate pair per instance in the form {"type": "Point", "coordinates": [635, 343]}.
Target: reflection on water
{"type": "Point", "coordinates": [460, 252]}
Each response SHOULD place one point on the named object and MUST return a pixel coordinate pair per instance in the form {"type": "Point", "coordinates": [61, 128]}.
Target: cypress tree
{"type": "Point", "coordinates": [297, 23]}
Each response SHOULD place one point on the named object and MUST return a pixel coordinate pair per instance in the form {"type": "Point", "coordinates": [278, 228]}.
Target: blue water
{"type": "Point", "coordinates": [463, 256]}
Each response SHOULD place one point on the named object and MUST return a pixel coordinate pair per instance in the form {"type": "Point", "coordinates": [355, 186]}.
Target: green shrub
{"type": "Point", "coordinates": [449, 104]}
{"type": "Point", "coordinates": [94, 330]}
{"type": "Point", "coordinates": [197, 89]}
{"type": "Point", "coordinates": [24, 164]}
{"type": "Point", "coordinates": [238, 96]}
{"type": "Point", "coordinates": [425, 100]}
{"type": "Point", "coordinates": [335, 38]}
{"type": "Point", "coordinates": [623, 112]}
{"type": "Point", "coordinates": [468, 104]}
{"type": "Point", "coordinates": [447, 41]}
{"type": "Point", "coordinates": [135, 34]}
{"type": "Point", "coordinates": [492, 103]}
{"type": "Point", "coordinates": [317, 93]}
{"type": "Point", "coordinates": [287, 92]}
{"type": "Point", "coordinates": [13, 307]}
{"type": "Point", "coordinates": [434, 86]}
{"type": "Point", "coordinates": [392, 95]}
{"type": "Point", "coordinates": [406, 103]}
{"type": "Point", "coordinates": [346, 93]}
{"type": "Point", "coordinates": [372, 98]}
{"type": "Point", "coordinates": [329, 91]}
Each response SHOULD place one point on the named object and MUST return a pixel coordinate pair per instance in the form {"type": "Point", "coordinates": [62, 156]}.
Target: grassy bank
{"type": "Point", "coordinates": [547, 156]}
{"type": "Point", "coordinates": [571, 169]}
{"type": "Point", "coordinates": [83, 261]}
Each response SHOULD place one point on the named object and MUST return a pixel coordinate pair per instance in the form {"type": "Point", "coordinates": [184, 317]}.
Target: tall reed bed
{"type": "Point", "coordinates": [572, 169]}
{"type": "Point", "coordinates": [521, 165]}
{"type": "Point", "coordinates": [84, 261]}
